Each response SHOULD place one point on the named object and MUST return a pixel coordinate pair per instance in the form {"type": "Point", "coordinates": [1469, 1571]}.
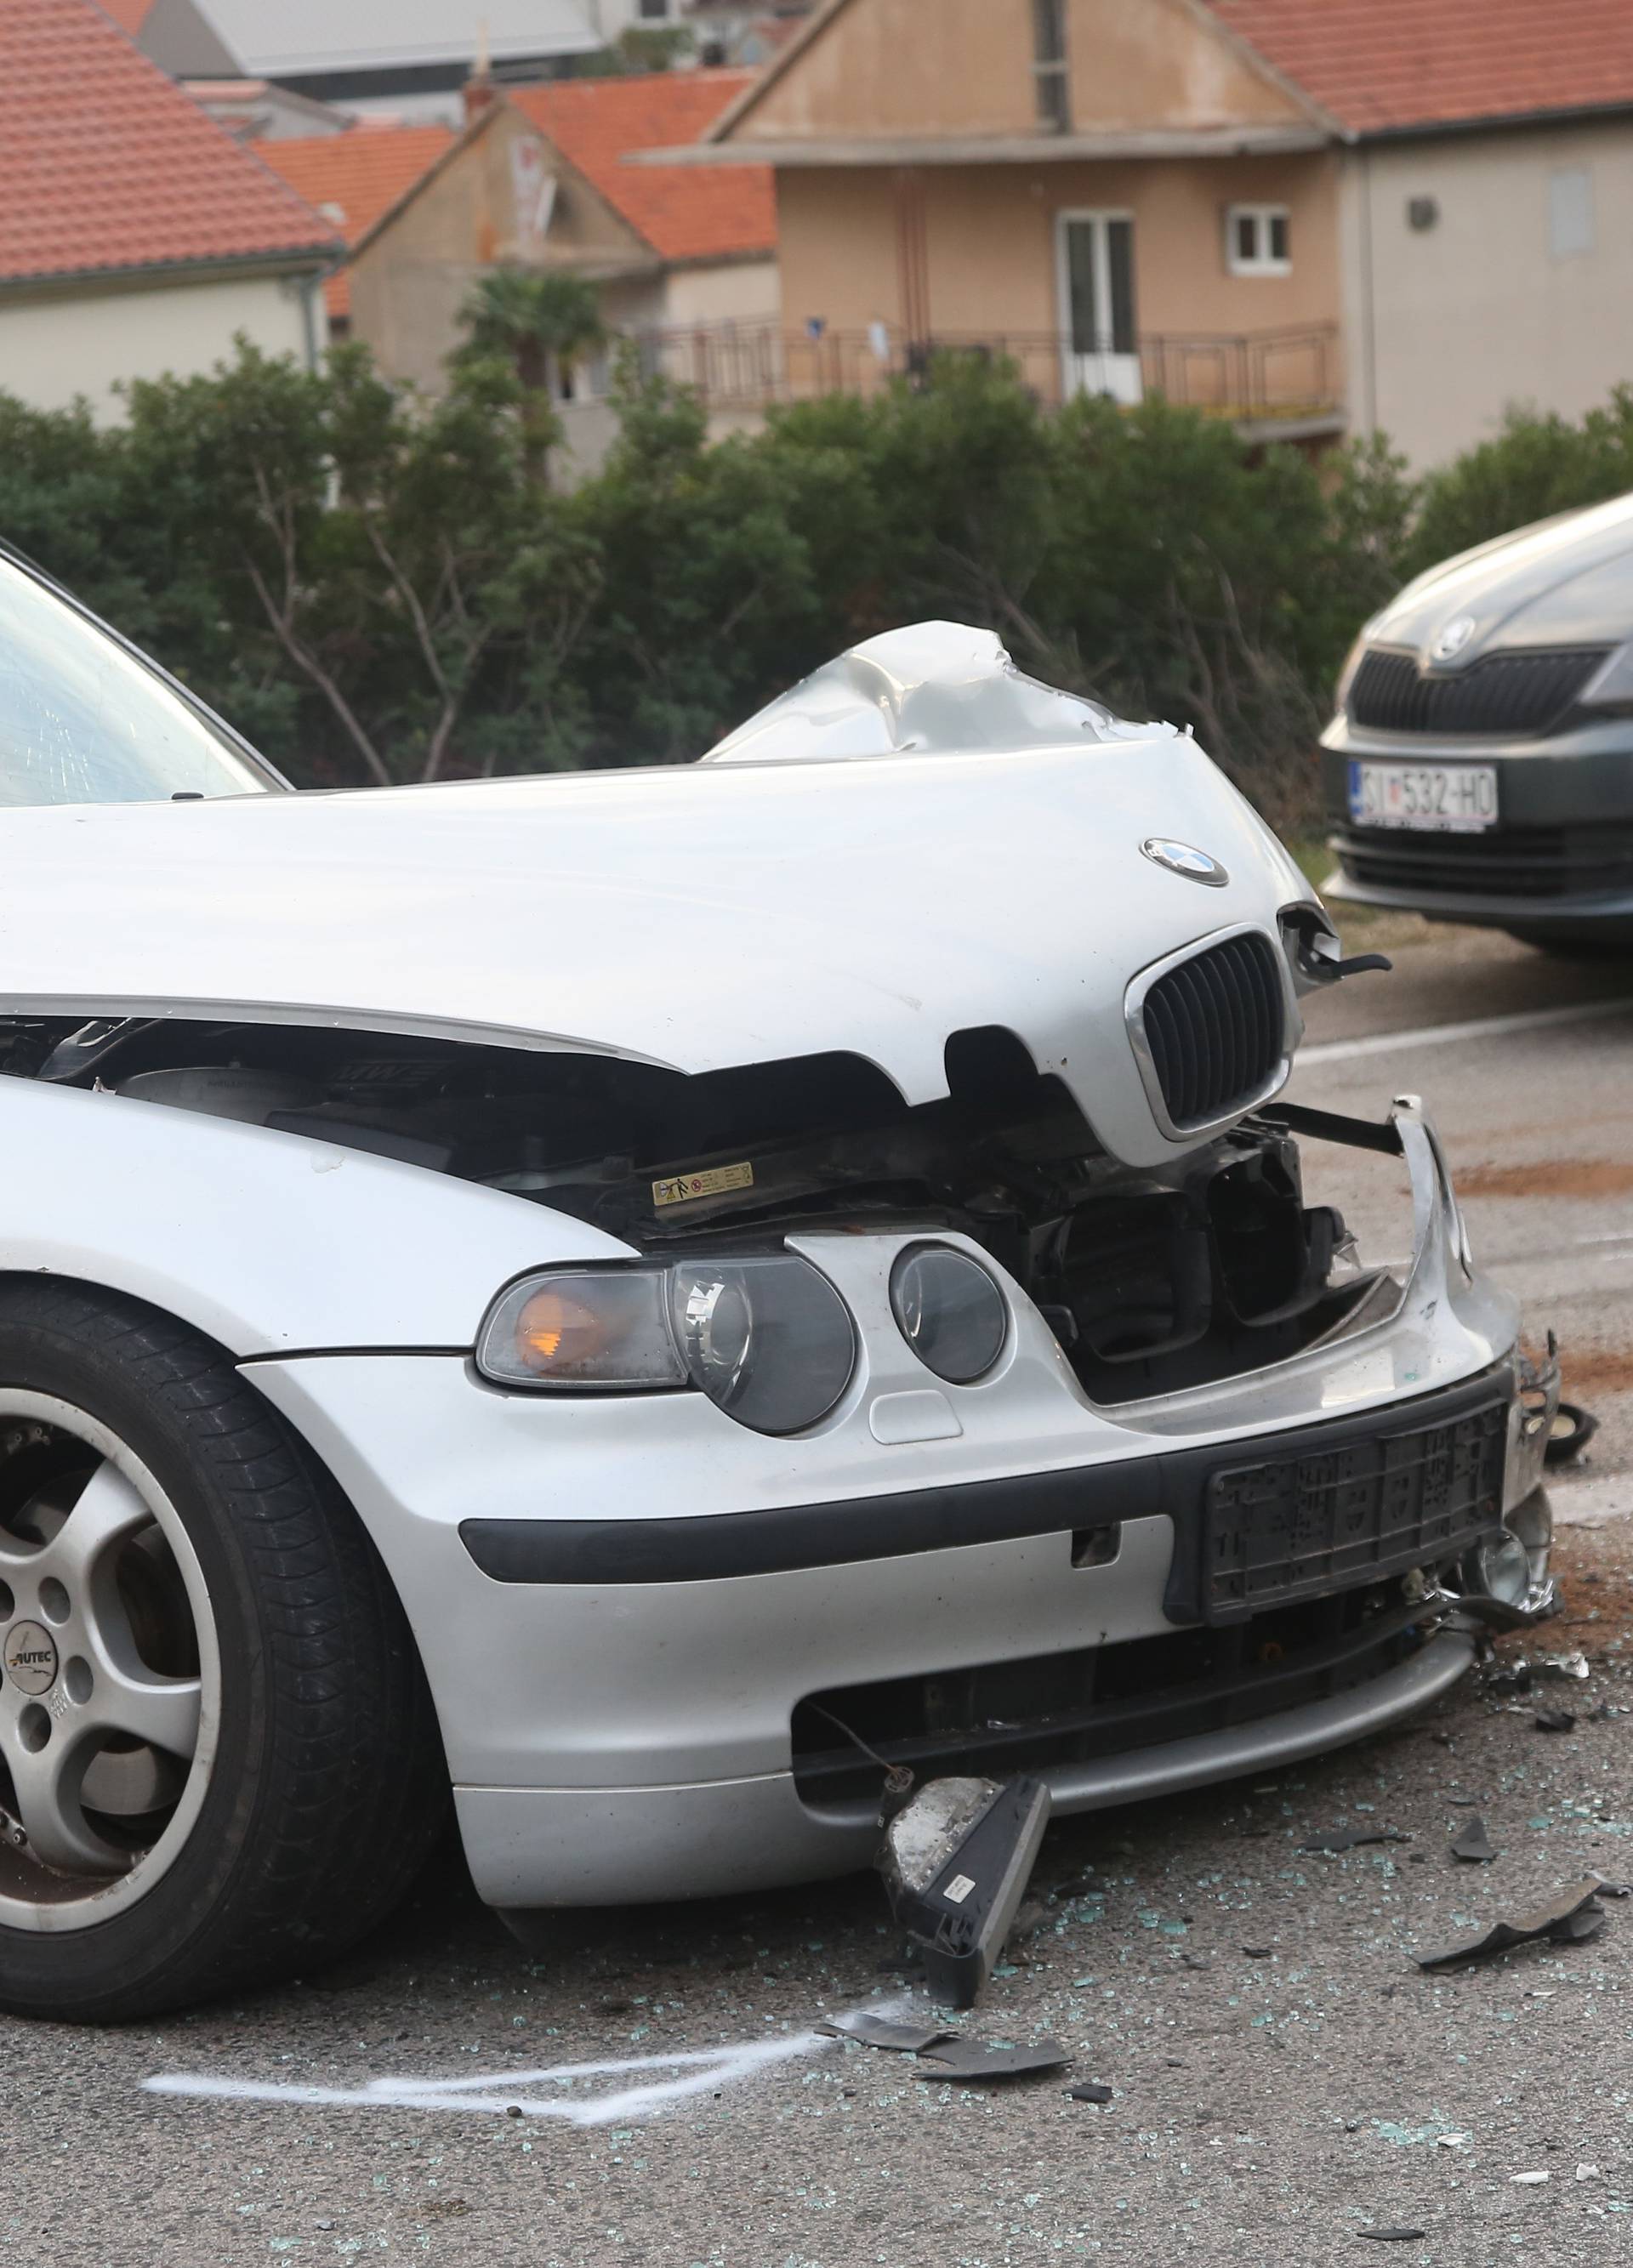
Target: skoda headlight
{"type": "Point", "coordinates": [1611, 685]}
{"type": "Point", "coordinates": [951, 1313]}
{"type": "Point", "coordinates": [769, 1340]}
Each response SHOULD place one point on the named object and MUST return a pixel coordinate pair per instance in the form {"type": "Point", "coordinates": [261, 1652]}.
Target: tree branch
{"type": "Point", "coordinates": [306, 660]}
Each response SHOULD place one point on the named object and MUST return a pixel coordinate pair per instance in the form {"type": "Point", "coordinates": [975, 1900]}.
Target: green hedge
{"type": "Point", "coordinates": [372, 588]}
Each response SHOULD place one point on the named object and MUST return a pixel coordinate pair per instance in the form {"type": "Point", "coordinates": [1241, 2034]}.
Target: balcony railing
{"type": "Point", "coordinates": [1250, 377]}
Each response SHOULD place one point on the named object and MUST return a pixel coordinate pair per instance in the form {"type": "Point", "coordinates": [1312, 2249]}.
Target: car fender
{"type": "Point", "coordinates": [269, 1244]}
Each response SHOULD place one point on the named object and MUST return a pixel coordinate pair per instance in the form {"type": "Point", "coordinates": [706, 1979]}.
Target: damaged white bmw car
{"type": "Point", "coordinates": [650, 1298]}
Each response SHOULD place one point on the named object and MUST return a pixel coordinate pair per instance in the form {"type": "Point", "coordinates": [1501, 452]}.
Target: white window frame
{"type": "Point", "coordinates": [1263, 262]}
{"type": "Point", "coordinates": [1052, 75]}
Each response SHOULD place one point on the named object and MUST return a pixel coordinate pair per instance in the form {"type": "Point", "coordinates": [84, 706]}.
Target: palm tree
{"type": "Point", "coordinates": [541, 321]}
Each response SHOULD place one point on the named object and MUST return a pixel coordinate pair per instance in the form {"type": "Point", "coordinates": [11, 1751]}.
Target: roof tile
{"type": "Point", "coordinates": [352, 177]}
{"type": "Point", "coordinates": [684, 212]}
{"type": "Point", "coordinates": [1379, 66]}
{"type": "Point", "coordinates": [105, 165]}
{"type": "Point", "coordinates": [129, 15]}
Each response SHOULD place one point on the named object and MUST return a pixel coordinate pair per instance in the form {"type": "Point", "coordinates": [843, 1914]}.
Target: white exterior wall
{"type": "Point", "coordinates": [54, 347]}
{"type": "Point", "coordinates": [1507, 298]}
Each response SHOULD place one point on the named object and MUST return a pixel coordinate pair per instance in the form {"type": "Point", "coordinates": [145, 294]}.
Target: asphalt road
{"type": "Point", "coordinates": [1268, 2107]}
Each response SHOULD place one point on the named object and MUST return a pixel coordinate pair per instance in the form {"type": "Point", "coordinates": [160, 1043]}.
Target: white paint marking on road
{"type": "Point", "coordinates": [1480, 1027]}
{"type": "Point", "coordinates": [699, 2072]}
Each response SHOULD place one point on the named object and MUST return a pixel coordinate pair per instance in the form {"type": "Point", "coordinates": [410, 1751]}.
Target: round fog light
{"type": "Point", "coordinates": [951, 1312]}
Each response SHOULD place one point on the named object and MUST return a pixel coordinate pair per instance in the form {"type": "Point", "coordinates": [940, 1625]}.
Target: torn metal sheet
{"type": "Point", "coordinates": [874, 2031]}
{"type": "Point", "coordinates": [1351, 1839]}
{"type": "Point", "coordinates": [1472, 1841]}
{"type": "Point", "coordinates": [1555, 1920]}
{"type": "Point", "coordinates": [976, 2061]}
{"type": "Point", "coordinates": [931, 685]}
{"type": "Point", "coordinates": [1565, 1666]}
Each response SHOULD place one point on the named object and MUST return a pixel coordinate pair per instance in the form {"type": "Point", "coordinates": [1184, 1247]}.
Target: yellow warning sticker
{"type": "Point", "coordinates": [714, 1183]}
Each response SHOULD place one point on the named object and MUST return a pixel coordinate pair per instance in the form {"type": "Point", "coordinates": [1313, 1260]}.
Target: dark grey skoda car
{"type": "Point", "coordinates": [1479, 768]}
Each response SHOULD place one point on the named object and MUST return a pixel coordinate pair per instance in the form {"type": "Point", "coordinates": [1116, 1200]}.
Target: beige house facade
{"type": "Point", "coordinates": [499, 198]}
{"type": "Point", "coordinates": [1242, 205]}
{"type": "Point", "coordinates": [1115, 192]}
{"type": "Point", "coordinates": [537, 181]}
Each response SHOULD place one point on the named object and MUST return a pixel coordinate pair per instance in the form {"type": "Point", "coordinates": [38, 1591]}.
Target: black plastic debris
{"type": "Point", "coordinates": [976, 2062]}
{"type": "Point", "coordinates": [875, 2031]}
{"type": "Point", "coordinates": [1571, 1431]}
{"type": "Point", "coordinates": [1553, 1721]}
{"type": "Point", "coordinates": [1572, 1916]}
{"type": "Point", "coordinates": [1580, 1926]}
{"type": "Point", "coordinates": [956, 1861]}
{"type": "Point", "coordinates": [1391, 2235]}
{"type": "Point", "coordinates": [1512, 1677]}
{"type": "Point", "coordinates": [1614, 1889]}
{"type": "Point", "coordinates": [1091, 2093]}
{"type": "Point", "coordinates": [1259, 1951]}
{"type": "Point", "coordinates": [1472, 1841]}
{"type": "Point", "coordinates": [1350, 1838]}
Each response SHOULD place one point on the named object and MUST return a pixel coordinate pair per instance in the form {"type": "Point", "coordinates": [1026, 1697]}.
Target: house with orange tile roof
{"type": "Point", "coordinates": [1312, 215]}
{"type": "Point", "coordinates": [136, 237]}
{"type": "Point", "coordinates": [351, 178]}
{"type": "Point", "coordinates": [541, 178]}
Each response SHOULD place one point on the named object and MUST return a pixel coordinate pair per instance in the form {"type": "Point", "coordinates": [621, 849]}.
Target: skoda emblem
{"type": "Point", "coordinates": [1185, 858]}
{"type": "Point", "coordinates": [1454, 637]}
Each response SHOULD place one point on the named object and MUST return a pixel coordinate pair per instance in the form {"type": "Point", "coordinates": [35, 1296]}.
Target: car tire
{"type": "Point", "coordinates": [219, 1761]}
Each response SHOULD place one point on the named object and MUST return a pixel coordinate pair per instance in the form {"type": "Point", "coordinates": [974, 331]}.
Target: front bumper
{"type": "Point", "coordinates": [1560, 858]}
{"type": "Point", "coordinates": [623, 1731]}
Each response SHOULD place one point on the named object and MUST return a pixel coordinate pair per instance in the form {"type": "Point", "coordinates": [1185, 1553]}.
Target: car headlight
{"type": "Point", "coordinates": [769, 1340]}
{"type": "Point", "coordinates": [1346, 675]}
{"type": "Point", "coordinates": [1611, 685]}
{"type": "Point", "coordinates": [951, 1312]}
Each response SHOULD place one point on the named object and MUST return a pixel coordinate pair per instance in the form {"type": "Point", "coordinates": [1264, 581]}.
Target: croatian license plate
{"type": "Point", "coordinates": [1447, 798]}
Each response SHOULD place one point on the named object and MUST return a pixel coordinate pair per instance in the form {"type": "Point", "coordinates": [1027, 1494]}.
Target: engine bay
{"type": "Point", "coordinates": [1152, 1281]}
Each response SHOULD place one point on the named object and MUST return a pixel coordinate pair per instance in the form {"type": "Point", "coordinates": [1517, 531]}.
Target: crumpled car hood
{"type": "Point", "coordinates": [699, 917]}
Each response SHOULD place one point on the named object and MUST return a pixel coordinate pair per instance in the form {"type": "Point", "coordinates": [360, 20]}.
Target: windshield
{"type": "Point", "coordinates": [84, 721]}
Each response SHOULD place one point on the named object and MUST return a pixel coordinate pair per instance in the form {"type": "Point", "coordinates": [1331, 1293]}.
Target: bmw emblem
{"type": "Point", "coordinates": [1185, 858]}
{"type": "Point", "coordinates": [1454, 637]}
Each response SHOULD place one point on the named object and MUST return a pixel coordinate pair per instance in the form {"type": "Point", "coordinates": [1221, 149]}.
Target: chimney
{"type": "Point", "coordinates": [480, 93]}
